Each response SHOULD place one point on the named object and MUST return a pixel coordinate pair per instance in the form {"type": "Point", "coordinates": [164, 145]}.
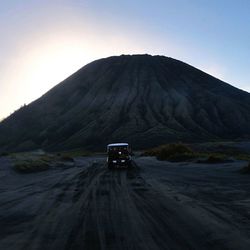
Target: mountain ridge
{"type": "Point", "coordinates": [145, 100]}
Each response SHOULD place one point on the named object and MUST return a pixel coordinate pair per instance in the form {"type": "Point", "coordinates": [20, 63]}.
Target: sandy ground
{"type": "Point", "coordinates": [156, 205]}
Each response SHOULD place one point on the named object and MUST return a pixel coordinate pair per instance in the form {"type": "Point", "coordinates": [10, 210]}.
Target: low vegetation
{"type": "Point", "coordinates": [215, 158]}
{"type": "Point", "coordinates": [67, 155]}
{"type": "Point", "coordinates": [31, 165]}
{"type": "Point", "coordinates": [227, 149]}
{"type": "Point", "coordinates": [179, 152]}
{"type": "Point", "coordinates": [36, 161]}
{"type": "Point", "coordinates": [242, 157]}
{"type": "Point", "coordinates": [171, 152]}
{"type": "Point", "coordinates": [31, 162]}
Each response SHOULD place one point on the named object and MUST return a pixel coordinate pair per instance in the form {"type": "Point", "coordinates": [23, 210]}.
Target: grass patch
{"type": "Point", "coordinates": [179, 152]}
{"type": "Point", "coordinates": [30, 165]}
{"type": "Point", "coordinates": [207, 152]}
{"type": "Point", "coordinates": [242, 157]}
{"type": "Point", "coordinates": [171, 152]}
{"type": "Point", "coordinates": [226, 149]}
{"type": "Point", "coordinates": [180, 157]}
{"type": "Point", "coordinates": [67, 155]}
{"type": "Point", "coordinates": [30, 162]}
{"type": "Point", "coordinates": [215, 158]}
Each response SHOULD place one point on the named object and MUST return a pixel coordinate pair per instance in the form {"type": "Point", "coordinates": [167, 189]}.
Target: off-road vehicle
{"type": "Point", "coordinates": [119, 155]}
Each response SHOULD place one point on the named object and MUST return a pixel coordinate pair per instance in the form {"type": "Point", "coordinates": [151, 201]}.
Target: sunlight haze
{"type": "Point", "coordinates": [46, 42]}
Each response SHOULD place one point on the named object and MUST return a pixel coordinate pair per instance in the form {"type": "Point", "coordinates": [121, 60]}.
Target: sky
{"type": "Point", "coordinates": [44, 41]}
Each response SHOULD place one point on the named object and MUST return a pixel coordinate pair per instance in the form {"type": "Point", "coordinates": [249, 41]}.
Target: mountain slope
{"type": "Point", "coordinates": [145, 100]}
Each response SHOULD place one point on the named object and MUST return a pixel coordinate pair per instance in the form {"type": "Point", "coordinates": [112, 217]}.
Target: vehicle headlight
{"type": "Point", "coordinates": [122, 160]}
{"type": "Point", "coordinates": [114, 161]}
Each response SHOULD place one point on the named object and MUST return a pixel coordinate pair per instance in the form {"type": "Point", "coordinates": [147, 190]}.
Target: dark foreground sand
{"type": "Point", "coordinates": [157, 205]}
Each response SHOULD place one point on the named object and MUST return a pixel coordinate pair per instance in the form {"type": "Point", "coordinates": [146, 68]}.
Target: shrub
{"type": "Point", "coordinates": [242, 157]}
{"type": "Point", "coordinates": [30, 163]}
{"type": "Point", "coordinates": [182, 157]}
{"type": "Point", "coordinates": [151, 152]}
{"type": "Point", "coordinates": [30, 166]}
{"type": "Point", "coordinates": [171, 152]}
{"type": "Point", "coordinates": [74, 153]}
{"type": "Point", "coordinates": [215, 158]}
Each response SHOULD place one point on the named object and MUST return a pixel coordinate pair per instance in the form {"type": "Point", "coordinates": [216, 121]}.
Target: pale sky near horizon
{"type": "Point", "coordinates": [43, 42]}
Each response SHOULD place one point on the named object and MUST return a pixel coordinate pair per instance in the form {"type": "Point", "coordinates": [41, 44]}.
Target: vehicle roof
{"type": "Point", "coordinates": [117, 144]}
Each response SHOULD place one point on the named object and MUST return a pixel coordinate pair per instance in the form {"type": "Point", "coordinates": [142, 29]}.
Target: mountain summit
{"type": "Point", "coordinates": [142, 99]}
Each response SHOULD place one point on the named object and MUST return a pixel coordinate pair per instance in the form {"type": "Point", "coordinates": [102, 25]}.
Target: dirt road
{"type": "Point", "coordinates": [156, 205]}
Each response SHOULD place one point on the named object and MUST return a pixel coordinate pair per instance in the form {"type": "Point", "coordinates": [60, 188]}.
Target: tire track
{"type": "Point", "coordinates": [93, 208]}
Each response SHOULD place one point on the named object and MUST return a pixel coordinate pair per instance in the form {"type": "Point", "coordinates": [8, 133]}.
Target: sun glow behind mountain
{"type": "Point", "coordinates": [47, 62]}
{"type": "Point", "coordinates": [43, 66]}
{"type": "Point", "coordinates": [49, 46]}
{"type": "Point", "coordinates": [44, 52]}
{"type": "Point", "coordinates": [46, 41]}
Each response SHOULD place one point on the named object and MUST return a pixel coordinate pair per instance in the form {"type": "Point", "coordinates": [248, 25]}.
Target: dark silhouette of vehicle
{"type": "Point", "coordinates": [119, 155]}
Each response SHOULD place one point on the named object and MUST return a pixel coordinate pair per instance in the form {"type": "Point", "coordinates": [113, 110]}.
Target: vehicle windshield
{"type": "Point", "coordinates": [118, 150]}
